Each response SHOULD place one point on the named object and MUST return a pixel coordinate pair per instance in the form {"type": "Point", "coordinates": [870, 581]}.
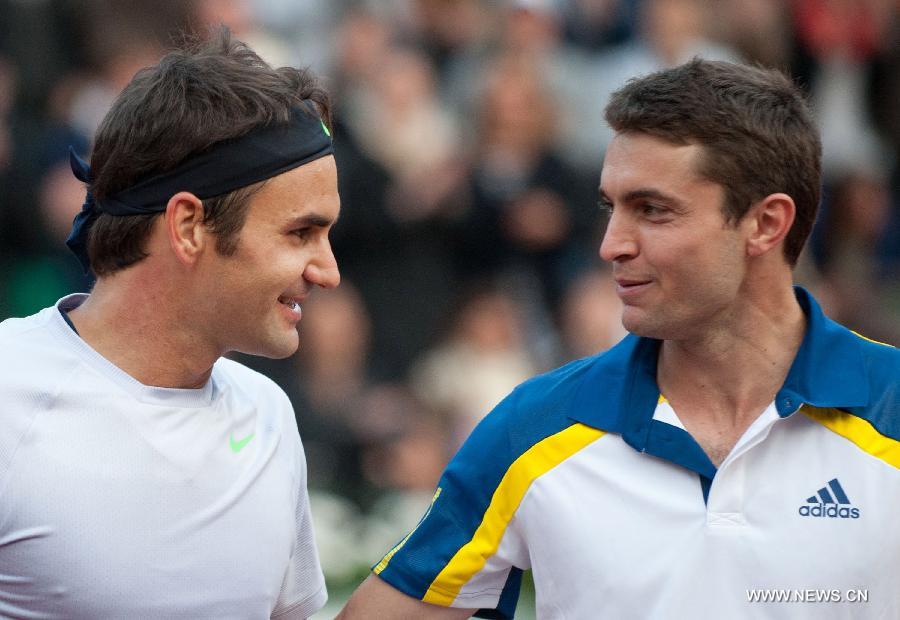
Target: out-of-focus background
{"type": "Point", "coordinates": [469, 138]}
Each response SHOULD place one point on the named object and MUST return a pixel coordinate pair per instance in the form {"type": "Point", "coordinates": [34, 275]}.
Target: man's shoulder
{"type": "Point", "coordinates": [33, 369]}
{"type": "Point", "coordinates": [880, 355]}
{"type": "Point", "coordinates": [560, 392]}
{"type": "Point", "coordinates": [554, 390]}
{"type": "Point", "coordinates": [27, 346]}
{"type": "Point", "coordinates": [16, 333]}
{"type": "Point", "coordinates": [546, 404]}
{"type": "Point", "coordinates": [882, 367]}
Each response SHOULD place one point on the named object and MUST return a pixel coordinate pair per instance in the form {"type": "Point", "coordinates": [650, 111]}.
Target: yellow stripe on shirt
{"type": "Point", "coordinates": [858, 431]}
{"type": "Point", "coordinates": [533, 463]}
{"type": "Point", "coordinates": [875, 341]}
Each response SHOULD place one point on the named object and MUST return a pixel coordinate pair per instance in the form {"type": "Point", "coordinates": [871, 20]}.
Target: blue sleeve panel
{"type": "Point", "coordinates": [535, 410]}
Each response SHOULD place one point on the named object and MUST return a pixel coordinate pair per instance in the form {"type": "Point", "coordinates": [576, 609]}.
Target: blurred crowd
{"type": "Point", "coordinates": [469, 137]}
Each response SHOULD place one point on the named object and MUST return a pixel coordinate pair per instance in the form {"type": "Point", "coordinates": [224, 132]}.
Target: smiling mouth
{"type": "Point", "coordinates": [627, 289]}
{"type": "Point", "coordinates": [628, 284]}
{"type": "Point", "coordinates": [293, 304]}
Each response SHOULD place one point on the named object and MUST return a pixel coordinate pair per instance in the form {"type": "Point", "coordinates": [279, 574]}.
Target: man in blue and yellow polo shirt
{"type": "Point", "coordinates": [736, 456]}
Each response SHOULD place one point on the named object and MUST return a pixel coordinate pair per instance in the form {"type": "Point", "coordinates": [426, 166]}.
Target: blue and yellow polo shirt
{"type": "Point", "coordinates": [586, 476]}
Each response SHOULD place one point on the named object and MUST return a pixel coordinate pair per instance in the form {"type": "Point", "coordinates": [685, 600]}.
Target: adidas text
{"type": "Point", "coordinates": [829, 510]}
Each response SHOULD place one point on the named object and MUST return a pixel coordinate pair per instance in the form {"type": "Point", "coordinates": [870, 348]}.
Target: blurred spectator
{"type": "Point", "coordinates": [362, 42]}
{"type": "Point", "coordinates": [674, 31]}
{"type": "Point", "coordinates": [837, 43]}
{"type": "Point", "coordinates": [590, 315]}
{"type": "Point", "coordinates": [855, 218]}
{"type": "Point", "coordinates": [397, 152]}
{"type": "Point", "coordinates": [884, 93]}
{"type": "Point", "coordinates": [41, 277]}
{"type": "Point", "coordinates": [402, 125]}
{"type": "Point", "coordinates": [667, 33]}
{"type": "Point", "coordinates": [532, 28]}
{"type": "Point", "coordinates": [327, 383]}
{"type": "Point", "coordinates": [528, 210]}
{"type": "Point", "coordinates": [403, 452]}
{"type": "Point", "coordinates": [758, 30]}
{"type": "Point", "coordinates": [405, 464]}
{"type": "Point", "coordinates": [406, 444]}
{"type": "Point", "coordinates": [449, 29]}
{"type": "Point", "coordinates": [116, 39]}
{"type": "Point", "coordinates": [43, 271]}
{"type": "Point", "coordinates": [304, 28]}
{"type": "Point", "coordinates": [483, 358]}
{"type": "Point", "coordinates": [595, 25]}
{"type": "Point", "coordinates": [241, 16]}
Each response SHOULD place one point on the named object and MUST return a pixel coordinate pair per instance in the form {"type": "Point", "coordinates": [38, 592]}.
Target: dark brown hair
{"type": "Point", "coordinates": [208, 91]}
{"type": "Point", "coordinates": [756, 130]}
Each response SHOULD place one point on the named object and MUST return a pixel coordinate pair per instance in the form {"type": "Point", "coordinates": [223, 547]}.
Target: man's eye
{"type": "Point", "coordinates": [303, 233]}
{"type": "Point", "coordinates": [605, 207]}
{"type": "Point", "coordinates": [651, 209]}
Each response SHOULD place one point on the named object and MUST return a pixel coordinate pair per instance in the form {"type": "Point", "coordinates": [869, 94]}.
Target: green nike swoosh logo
{"type": "Point", "coordinates": [237, 446]}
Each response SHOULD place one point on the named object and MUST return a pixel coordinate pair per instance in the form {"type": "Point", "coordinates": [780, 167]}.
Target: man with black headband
{"type": "Point", "coordinates": [142, 475]}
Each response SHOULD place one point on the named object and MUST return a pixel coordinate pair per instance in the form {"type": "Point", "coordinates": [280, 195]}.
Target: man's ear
{"type": "Point", "coordinates": [185, 228]}
{"type": "Point", "coordinates": [770, 220]}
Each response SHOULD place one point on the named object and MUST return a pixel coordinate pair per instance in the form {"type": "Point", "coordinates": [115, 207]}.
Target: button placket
{"type": "Point", "coordinates": [725, 504]}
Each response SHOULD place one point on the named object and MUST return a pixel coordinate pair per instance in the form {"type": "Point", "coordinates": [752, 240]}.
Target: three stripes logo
{"type": "Point", "coordinates": [829, 501]}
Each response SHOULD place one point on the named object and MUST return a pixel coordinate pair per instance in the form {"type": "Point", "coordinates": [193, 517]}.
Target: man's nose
{"type": "Point", "coordinates": [323, 270]}
{"type": "Point", "coordinates": [619, 240]}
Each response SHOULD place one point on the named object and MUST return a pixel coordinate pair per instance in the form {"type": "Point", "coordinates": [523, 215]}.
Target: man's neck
{"type": "Point", "coordinates": [721, 381]}
{"type": "Point", "coordinates": [136, 326]}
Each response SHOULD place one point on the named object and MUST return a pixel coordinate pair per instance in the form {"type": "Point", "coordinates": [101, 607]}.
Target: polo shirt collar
{"type": "Point", "coordinates": [829, 370]}
{"type": "Point", "coordinates": [619, 393]}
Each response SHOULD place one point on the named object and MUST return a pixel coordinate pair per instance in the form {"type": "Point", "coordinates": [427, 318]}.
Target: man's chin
{"type": "Point", "coordinates": [273, 350]}
{"type": "Point", "coordinates": [638, 323]}
{"type": "Point", "coordinates": [634, 321]}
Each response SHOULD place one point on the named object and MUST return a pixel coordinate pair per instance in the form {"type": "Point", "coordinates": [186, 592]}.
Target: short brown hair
{"type": "Point", "coordinates": [206, 92]}
{"type": "Point", "coordinates": [754, 125]}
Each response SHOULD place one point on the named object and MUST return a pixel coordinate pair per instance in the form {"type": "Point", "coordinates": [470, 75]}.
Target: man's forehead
{"type": "Point", "coordinates": [306, 195]}
{"type": "Point", "coordinates": [644, 157]}
{"type": "Point", "coordinates": [311, 179]}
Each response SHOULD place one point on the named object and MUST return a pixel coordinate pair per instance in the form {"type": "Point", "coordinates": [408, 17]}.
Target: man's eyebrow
{"type": "Point", "coordinates": [312, 219]}
{"type": "Point", "coordinates": [645, 193]}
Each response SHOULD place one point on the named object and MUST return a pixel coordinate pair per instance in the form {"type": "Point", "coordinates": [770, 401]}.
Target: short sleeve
{"type": "Point", "coordinates": [303, 590]}
{"type": "Point", "coordinates": [466, 552]}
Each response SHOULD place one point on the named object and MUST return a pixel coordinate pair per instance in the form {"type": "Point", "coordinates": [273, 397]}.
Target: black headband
{"type": "Point", "coordinates": [224, 167]}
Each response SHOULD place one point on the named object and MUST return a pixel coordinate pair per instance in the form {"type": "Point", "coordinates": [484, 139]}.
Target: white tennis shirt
{"type": "Point", "coordinates": [119, 500]}
{"type": "Point", "coordinates": [587, 477]}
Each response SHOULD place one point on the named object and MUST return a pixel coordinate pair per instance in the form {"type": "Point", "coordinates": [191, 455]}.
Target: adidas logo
{"type": "Point", "coordinates": [833, 503]}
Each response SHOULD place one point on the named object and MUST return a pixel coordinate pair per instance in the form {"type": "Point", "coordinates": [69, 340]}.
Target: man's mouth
{"type": "Point", "coordinates": [290, 302]}
{"type": "Point", "coordinates": [628, 287]}
{"type": "Point", "coordinates": [627, 283]}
